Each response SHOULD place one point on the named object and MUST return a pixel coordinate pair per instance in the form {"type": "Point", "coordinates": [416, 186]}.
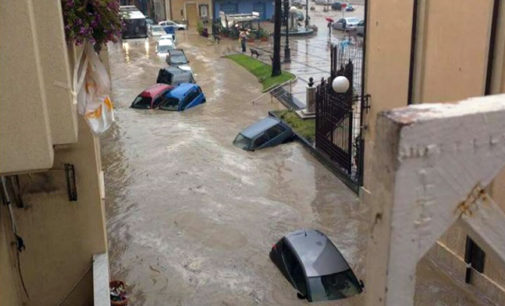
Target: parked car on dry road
{"type": "Point", "coordinates": [315, 267]}
{"type": "Point", "coordinates": [346, 24]}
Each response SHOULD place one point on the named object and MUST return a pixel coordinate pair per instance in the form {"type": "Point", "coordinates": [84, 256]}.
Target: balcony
{"type": "Point", "coordinates": [36, 102]}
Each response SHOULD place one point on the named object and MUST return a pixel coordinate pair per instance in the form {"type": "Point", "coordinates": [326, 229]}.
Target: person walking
{"type": "Point", "coordinates": [243, 39]}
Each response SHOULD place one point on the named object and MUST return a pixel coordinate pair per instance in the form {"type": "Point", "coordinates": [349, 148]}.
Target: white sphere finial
{"type": "Point", "coordinates": [293, 9]}
{"type": "Point", "coordinates": [340, 84]}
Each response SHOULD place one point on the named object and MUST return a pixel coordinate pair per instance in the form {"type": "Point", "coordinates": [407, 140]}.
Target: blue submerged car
{"type": "Point", "coordinates": [182, 97]}
{"type": "Point", "coordinates": [267, 132]}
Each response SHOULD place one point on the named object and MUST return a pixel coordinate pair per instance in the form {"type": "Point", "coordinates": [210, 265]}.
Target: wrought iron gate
{"type": "Point", "coordinates": [338, 124]}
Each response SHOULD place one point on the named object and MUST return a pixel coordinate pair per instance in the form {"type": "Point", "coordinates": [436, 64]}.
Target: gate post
{"type": "Point", "coordinates": [428, 161]}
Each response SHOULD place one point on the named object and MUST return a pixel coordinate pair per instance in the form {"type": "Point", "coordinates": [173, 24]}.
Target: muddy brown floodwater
{"type": "Point", "coordinates": [191, 218]}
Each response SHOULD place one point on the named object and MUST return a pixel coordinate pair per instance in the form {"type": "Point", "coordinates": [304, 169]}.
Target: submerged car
{"type": "Point", "coordinates": [182, 97]}
{"type": "Point", "coordinates": [176, 57]}
{"type": "Point", "coordinates": [151, 97]}
{"type": "Point", "coordinates": [315, 267]}
{"type": "Point", "coordinates": [267, 132]}
{"type": "Point", "coordinates": [174, 76]}
{"type": "Point", "coordinates": [156, 31]}
{"type": "Point", "coordinates": [163, 47]}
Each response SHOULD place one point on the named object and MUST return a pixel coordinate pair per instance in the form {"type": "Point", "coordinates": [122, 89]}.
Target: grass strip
{"type": "Point", "coordinates": [303, 127]}
{"type": "Point", "coordinates": [261, 71]}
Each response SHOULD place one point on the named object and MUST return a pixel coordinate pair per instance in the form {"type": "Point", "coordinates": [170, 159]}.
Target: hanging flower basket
{"type": "Point", "coordinates": [93, 21]}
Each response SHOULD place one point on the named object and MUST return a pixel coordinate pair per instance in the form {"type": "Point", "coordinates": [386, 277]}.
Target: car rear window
{"type": "Point", "coordinates": [241, 142]}
{"type": "Point", "coordinates": [142, 102]}
{"type": "Point", "coordinates": [334, 286]}
{"type": "Point", "coordinates": [169, 103]}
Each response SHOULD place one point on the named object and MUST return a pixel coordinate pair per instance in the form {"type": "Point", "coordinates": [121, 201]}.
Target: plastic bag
{"type": "Point", "coordinates": [93, 98]}
{"type": "Point", "coordinates": [101, 118]}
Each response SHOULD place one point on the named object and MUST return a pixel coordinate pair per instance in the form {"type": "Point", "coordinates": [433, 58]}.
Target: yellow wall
{"type": "Point", "coordinates": [179, 6]}
{"type": "Point", "coordinates": [387, 59]}
{"type": "Point", "coordinates": [60, 236]}
{"type": "Point", "coordinates": [452, 49]}
{"type": "Point", "coordinates": [451, 61]}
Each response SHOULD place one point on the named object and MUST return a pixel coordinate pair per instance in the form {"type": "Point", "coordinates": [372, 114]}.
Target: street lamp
{"type": "Point", "coordinates": [340, 84]}
{"type": "Point", "coordinates": [287, 51]}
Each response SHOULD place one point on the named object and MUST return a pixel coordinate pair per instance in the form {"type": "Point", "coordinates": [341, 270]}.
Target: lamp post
{"type": "Point", "coordinates": [307, 15]}
{"type": "Point", "coordinates": [287, 51]}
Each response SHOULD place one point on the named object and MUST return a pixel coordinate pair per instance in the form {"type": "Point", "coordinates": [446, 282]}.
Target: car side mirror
{"type": "Point", "coordinates": [300, 296]}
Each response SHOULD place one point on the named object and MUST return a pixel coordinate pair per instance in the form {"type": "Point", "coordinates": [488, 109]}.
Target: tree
{"type": "Point", "coordinates": [276, 60]}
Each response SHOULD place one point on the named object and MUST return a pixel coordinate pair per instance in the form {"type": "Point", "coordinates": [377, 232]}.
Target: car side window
{"type": "Point", "coordinates": [275, 131]}
{"type": "Point", "coordinates": [158, 100]}
{"type": "Point", "coordinates": [260, 140]}
{"type": "Point", "coordinates": [294, 269]}
{"type": "Point", "coordinates": [189, 97]}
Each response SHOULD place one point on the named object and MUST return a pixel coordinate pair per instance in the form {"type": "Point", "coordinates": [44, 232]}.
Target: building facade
{"type": "Point", "coordinates": [54, 227]}
{"type": "Point", "coordinates": [190, 12]}
{"type": "Point", "coordinates": [425, 51]}
{"type": "Point", "coordinates": [264, 7]}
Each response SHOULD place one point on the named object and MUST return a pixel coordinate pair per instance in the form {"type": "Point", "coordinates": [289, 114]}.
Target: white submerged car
{"type": "Point", "coordinates": [170, 23]}
{"type": "Point", "coordinates": [157, 31]}
{"type": "Point", "coordinates": [163, 47]}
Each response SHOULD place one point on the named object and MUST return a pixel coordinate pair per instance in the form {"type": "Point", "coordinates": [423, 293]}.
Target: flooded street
{"type": "Point", "coordinates": [191, 218]}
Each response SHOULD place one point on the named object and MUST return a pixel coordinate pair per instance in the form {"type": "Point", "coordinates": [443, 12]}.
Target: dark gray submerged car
{"type": "Point", "coordinates": [314, 266]}
{"type": "Point", "coordinates": [267, 132]}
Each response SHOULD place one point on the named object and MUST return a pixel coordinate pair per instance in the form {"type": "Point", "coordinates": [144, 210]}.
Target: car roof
{"type": "Point", "coordinates": [155, 90]}
{"type": "Point", "coordinates": [175, 70]}
{"type": "Point", "coordinates": [180, 91]}
{"type": "Point", "coordinates": [177, 51]}
{"type": "Point", "coordinates": [260, 126]}
{"type": "Point", "coordinates": [165, 42]}
{"type": "Point", "coordinates": [317, 253]}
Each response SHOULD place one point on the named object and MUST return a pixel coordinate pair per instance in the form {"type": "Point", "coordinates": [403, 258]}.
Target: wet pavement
{"type": "Point", "coordinates": [310, 55]}
{"type": "Point", "coordinates": [191, 218]}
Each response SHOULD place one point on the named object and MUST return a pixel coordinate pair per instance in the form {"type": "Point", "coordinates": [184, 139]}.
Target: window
{"type": "Point", "coordinates": [334, 286]}
{"type": "Point", "coordinates": [189, 98]}
{"type": "Point", "coordinates": [241, 142]}
{"type": "Point", "coordinates": [294, 269]}
{"type": "Point", "coordinates": [204, 11]}
{"type": "Point", "coordinates": [142, 102]}
{"type": "Point", "coordinates": [474, 257]}
{"type": "Point", "coordinates": [275, 131]}
{"type": "Point", "coordinates": [261, 140]}
{"type": "Point", "coordinates": [170, 103]}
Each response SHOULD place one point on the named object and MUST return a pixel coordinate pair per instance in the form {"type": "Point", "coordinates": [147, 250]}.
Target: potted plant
{"type": "Point", "coordinates": [263, 35]}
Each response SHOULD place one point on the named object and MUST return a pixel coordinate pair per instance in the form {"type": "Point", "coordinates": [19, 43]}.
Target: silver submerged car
{"type": "Point", "coordinates": [315, 267]}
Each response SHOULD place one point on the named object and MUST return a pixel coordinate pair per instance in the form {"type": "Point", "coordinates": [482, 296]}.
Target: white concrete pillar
{"type": "Point", "coordinates": [428, 160]}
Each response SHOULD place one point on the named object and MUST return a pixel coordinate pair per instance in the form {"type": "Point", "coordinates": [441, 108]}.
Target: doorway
{"type": "Point", "coordinates": [191, 15]}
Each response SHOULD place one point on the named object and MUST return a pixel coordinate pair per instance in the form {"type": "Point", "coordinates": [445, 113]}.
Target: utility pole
{"type": "Point", "coordinates": [276, 60]}
{"type": "Point", "coordinates": [287, 51]}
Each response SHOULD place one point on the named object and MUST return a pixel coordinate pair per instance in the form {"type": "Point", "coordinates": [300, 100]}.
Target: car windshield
{"type": "Point", "coordinates": [353, 20]}
{"type": "Point", "coordinates": [178, 58]}
{"type": "Point", "coordinates": [164, 48]}
{"type": "Point", "coordinates": [334, 286]}
{"type": "Point", "coordinates": [171, 104]}
{"type": "Point", "coordinates": [142, 102]}
{"type": "Point", "coordinates": [242, 142]}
